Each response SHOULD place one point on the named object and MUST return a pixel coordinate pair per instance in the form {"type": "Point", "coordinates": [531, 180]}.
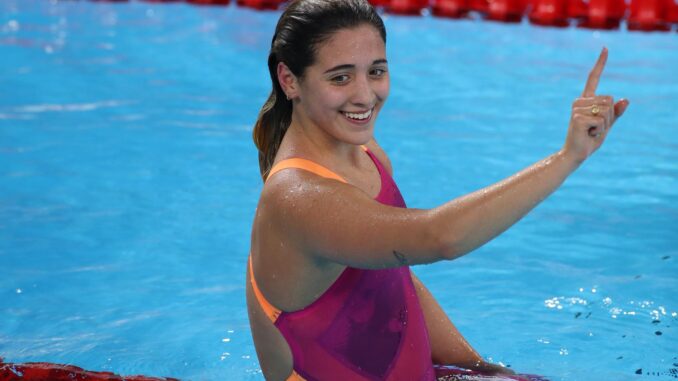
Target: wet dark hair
{"type": "Point", "coordinates": [302, 27]}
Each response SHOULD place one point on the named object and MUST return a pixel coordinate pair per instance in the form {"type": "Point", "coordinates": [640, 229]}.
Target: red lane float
{"type": "Point", "coordinates": [450, 8]}
{"type": "Point", "coordinates": [209, 2]}
{"type": "Point", "coordinates": [261, 4]}
{"type": "Point", "coordinates": [577, 9]}
{"type": "Point", "coordinates": [549, 13]}
{"type": "Point", "coordinates": [42, 371]}
{"type": "Point", "coordinates": [380, 3]}
{"type": "Point", "coordinates": [650, 15]}
{"type": "Point", "coordinates": [604, 14]}
{"type": "Point", "coordinates": [480, 6]}
{"type": "Point", "coordinates": [644, 15]}
{"type": "Point", "coordinates": [506, 10]}
{"type": "Point", "coordinates": [672, 13]}
{"type": "Point", "coordinates": [407, 7]}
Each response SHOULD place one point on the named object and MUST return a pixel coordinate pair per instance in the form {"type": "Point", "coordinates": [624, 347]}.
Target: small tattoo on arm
{"type": "Point", "coordinates": [401, 258]}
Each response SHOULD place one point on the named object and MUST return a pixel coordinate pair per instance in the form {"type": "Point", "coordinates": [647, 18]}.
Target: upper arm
{"type": "Point", "coordinates": [339, 223]}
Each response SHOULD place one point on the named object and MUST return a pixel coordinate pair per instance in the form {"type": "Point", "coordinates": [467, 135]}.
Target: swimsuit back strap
{"type": "Point", "coordinates": [295, 377]}
{"type": "Point", "coordinates": [268, 308]}
{"type": "Point", "coordinates": [306, 165]}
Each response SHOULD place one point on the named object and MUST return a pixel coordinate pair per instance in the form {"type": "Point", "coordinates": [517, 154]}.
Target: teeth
{"type": "Point", "coordinates": [359, 116]}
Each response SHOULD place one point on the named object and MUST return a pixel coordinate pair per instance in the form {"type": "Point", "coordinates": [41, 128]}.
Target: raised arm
{"type": "Point", "coordinates": [339, 223]}
{"type": "Point", "coordinates": [490, 211]}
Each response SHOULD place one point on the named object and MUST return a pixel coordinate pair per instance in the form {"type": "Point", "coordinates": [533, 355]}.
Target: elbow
{"type": "Point", "coordinates": [450, 248]}
{"type": "Point", "coordinates": [446, 241]}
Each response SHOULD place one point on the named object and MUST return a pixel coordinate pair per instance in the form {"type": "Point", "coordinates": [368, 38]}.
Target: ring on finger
{"type": "Point", "coordinates": [595, 110]}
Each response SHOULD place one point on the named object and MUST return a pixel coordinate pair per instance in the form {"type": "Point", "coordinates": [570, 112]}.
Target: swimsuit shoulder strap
{"type": "Point", "coordinates": [309, 166]}
{"type": "Point", "coordinates": [306, 165]}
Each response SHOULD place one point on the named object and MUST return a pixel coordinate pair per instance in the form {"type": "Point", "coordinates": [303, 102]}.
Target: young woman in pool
{"type": "Point", "coordinates": [329, 291]}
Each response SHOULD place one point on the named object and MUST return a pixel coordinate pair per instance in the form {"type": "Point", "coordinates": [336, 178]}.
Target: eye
{"type": "Point", "coordinates": [378, 72]}
{"type": "Point", "coordinates": [340, 79]}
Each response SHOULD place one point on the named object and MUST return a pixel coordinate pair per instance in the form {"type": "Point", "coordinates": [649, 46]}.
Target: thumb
{"type": "Point", "coordinates": [620, 108]}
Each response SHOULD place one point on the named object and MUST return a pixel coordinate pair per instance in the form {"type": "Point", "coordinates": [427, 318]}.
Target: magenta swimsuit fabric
{"type": "Point", "coordinates": [367, 326]}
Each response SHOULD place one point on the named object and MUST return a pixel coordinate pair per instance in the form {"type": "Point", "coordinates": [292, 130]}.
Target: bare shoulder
{"type": "Point", "coordinates": [293, 200]}
{"type": "Point", "coordinates": [379, 152]}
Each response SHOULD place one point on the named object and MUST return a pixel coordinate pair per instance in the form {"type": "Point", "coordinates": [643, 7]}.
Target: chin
{"type": "Point", "coordinates": [360, 138]}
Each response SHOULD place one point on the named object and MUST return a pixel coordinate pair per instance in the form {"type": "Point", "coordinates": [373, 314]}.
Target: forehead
{"type": "Point", "coordinates": [351, 46]}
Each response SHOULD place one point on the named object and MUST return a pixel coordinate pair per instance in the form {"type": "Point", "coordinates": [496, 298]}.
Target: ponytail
{"type": "Point", "coordinates": [273, 121]}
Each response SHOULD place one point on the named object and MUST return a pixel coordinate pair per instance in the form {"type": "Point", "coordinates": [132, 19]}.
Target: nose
{"type": "Point", "coordinates": [364, 94]}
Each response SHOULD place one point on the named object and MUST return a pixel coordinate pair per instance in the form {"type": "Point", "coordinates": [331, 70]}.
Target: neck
{"type": "Point", "coordinates": [308, 139]}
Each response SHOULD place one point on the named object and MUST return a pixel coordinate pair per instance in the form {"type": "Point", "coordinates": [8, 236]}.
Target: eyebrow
{"type": "Point", "coordinates": [350, 66]}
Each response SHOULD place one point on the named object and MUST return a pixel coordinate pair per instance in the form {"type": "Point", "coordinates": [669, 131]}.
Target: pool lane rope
{"type": "Point", "coordinates": [637, 15]}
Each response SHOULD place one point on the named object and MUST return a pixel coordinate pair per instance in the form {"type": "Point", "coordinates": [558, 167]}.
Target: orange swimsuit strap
{"type": "Point", "coordinates": [307, 165]}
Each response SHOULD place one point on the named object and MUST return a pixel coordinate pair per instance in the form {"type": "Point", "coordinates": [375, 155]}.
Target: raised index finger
{"type": "Point", "coordinates": [594, 76]}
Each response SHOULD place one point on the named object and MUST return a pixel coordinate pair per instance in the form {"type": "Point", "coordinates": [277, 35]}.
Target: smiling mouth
{"type": "Point", "coordinates": [359, 117]}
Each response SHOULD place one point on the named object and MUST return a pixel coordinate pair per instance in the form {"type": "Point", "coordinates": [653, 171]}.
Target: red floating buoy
{"type": "Point", "coordinates": [209, 2]}
{"type": "Point", "coordinates": [42, 371]}
{"type": "Point", "coordinates": [407, 7]}
{"type": "Point", "coordinates": [261, 4]}
{"type": "Point", "coordinates": [549, 12]}
{"type": "Point", "coordinates": [577, 9]}
{"type": "Point", "coordinates": [380, 3]}
{"type": "Point", "coordinates": [604, 14]}
{"type": "Point", "coordinates": [506, 10]}
{"type": "Point", "coordinates": [480, 6]}
{"type": "Point", "coordinates": [673, 13]}
{"type": "Point", "coordinates": [450, 8]}
{"type": "Point", "coordinates": [650, 15]}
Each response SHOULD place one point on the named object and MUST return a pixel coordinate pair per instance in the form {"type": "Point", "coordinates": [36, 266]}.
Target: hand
{"type": "Point", "coordinates": [490, 369]}
{"type": "Point", "coordinates": [592, 116]}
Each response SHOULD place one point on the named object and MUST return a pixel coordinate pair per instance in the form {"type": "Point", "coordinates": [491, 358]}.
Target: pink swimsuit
{"type": "Point", "coordinates": [367, 326]}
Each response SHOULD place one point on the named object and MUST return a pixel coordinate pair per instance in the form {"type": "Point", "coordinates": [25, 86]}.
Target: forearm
{"type": "Point", "coordinates": [472, 220]}
{"type": "Point", "coordinates": [448, 346]}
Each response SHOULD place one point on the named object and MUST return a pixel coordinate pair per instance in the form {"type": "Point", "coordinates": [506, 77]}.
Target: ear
{"type": "Point", "coordinates": [288, 81]}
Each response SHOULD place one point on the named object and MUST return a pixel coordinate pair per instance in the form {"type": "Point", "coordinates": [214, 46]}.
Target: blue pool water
{"type": "Point", "coordinates": [128, 183]}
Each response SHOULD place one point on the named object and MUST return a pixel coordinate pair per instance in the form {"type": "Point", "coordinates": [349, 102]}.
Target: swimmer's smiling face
{"type": "Point", "coordinates": [345, 88]}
